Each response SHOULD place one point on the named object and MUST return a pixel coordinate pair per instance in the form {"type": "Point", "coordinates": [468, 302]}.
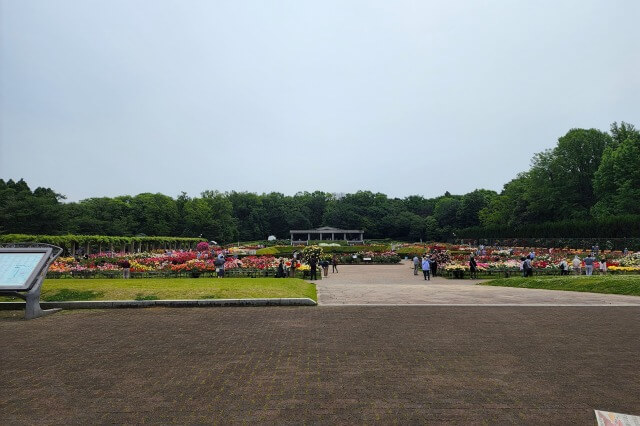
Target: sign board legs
{"type": "Point", "coordinates": [32, 299]}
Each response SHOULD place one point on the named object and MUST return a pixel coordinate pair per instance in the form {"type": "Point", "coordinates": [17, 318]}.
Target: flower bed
{"type": "Point", "coordinates": [171, 264]}
{"type": "Point", "coordinates": [450, 258]}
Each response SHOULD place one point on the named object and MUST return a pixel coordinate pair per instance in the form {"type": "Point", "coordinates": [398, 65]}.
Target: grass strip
{"type": "Point", "coordinates": [609, 284]}
{"type": "Point", "coordinates": [173, 288]}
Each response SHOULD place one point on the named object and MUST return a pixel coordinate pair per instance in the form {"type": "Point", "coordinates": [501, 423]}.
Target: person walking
{"type": "Point", "coordinates": [576, 265]}
{"type": "Point", "coordinates": [325, 267]}
{"type": "Point", "coordinates": [416, 264]}
{"type": "Point", "coordinates": [588, 264]}
{"type": "Point", "coordinates": [334, 264]}
{"type": "Point", "coordinates": [312, 264]}
{"type": "Point", "coordinates": [473, 268]}
{"type": "Point", "coordinates": [426, 268]}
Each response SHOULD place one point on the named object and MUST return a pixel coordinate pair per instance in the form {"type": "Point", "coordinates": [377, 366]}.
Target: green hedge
{"type": "Point", "coordinates": [287, 251]}
{"type": "Point", "coordinates": [411, 251]}
{"type": "Point", "coordinates": [104, 241]}
{"type": "Point", "coordinates": [613, 227]}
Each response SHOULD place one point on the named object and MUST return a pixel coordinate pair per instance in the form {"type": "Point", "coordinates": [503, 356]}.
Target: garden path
{"type": "Point", "coordinates": [396, 285]}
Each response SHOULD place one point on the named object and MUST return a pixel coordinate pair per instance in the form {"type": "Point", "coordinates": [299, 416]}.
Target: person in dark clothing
{"type": "Point", "coordinates": [325, 267]}
{"type": "Point", "coordinates": [126, 269]}
{"type": "Point", "coordinates": [280, 271]}
{"type": "Point", "coordinates": [334, 263]}
{"type": "Point", "coordinates": [434, 265]}
{"type": "Point", "coordinates": [313, 263]}
{"type": "Point", "coordinates": [292, 269]}
{"type": "Point", "coordinates": [473, 268]}
{"type": "Point", "coordinates": [219, 262]}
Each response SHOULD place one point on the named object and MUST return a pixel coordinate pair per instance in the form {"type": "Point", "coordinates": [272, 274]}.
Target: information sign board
{"type": "Point", "coordinates": [19, 267]}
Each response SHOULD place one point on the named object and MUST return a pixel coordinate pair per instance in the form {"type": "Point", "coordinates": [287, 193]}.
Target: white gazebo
{"type": "Point", "coordinates": [326, 233]}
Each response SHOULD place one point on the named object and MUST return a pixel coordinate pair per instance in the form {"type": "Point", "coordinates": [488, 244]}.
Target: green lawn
{"type": "Point", "coordinates": [174, 288]}
{"type": "Point", "coordinates": [612, 284]}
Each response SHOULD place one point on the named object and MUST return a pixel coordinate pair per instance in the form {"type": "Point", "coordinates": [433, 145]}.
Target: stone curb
{"type": "Point", "coordinates": [189, 303]}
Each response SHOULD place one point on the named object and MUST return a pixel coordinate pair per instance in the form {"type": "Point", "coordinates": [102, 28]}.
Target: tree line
{"type": "Point", "coordinates": [588, 178]}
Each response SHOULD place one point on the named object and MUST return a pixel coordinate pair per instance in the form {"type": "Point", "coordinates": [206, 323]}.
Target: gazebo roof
{"type": "Point", "coordinates": [326, 229]}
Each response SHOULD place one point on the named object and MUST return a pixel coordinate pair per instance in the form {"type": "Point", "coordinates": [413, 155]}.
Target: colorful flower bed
{"type": "Point", "coordinates": [449, 257]}
{"type": "Point", "coordinates": [186, 262]}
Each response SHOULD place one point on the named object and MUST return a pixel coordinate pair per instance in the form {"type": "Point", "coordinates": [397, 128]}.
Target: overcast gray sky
{"type": "Point", "coordinates": [112, 97]}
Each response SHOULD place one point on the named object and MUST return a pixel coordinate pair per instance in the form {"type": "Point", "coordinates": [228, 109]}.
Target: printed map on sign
{"type": "Point", "coordinates": [15, 268]}
{"type": "Point", "coordinates": [606, 418]}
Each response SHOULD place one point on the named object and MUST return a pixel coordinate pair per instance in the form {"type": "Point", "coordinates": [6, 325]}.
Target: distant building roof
{"type": "Point", "coordinates": [326, 229]}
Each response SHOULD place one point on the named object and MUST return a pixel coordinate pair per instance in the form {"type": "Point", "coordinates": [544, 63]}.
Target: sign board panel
{"type": "Point", "coordinates": [19, 267]}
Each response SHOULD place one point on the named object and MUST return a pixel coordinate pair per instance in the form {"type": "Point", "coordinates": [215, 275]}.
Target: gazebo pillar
{"type": "Point", "coordinates": [333, 236]}
{"type": "Point", "coordinates": [308, 238]}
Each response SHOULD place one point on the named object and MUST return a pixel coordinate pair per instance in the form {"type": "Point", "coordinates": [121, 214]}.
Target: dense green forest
{"type": "Point", "coordinates": [590, 182]}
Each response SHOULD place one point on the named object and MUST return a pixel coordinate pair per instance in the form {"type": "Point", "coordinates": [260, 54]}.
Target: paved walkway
{"type": "Point", "coordinates": [396, 284]}
{"type": "Point", "coordinates": [320, 365]}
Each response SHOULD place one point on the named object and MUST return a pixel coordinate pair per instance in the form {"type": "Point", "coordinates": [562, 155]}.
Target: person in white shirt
{"type": "Point", "coordinates": [564, 267]}
{"type": "Point", "coordinates": [576, 265]}
{"type": "Point", "coordinates": [426, 268]}
{"type": "Point", "coordinates": [603, 266]}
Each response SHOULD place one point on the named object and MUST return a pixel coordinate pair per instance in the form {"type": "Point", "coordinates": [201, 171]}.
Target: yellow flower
{"type": "Point", "coordinates": [624, 268]}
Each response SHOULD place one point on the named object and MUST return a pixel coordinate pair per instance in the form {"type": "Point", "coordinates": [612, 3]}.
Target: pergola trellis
{"type": "Point", "coordinates": [326, 233]}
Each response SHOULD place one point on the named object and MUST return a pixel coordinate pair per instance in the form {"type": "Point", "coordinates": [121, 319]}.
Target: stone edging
{"type": "Point", "coordinates": [189, 303]}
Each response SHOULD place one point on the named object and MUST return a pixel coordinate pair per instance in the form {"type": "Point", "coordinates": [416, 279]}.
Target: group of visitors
{"type": "Point", "coordinates": [314, 264]}
{"type": "Point", "coordinates": [526, 264]}
{"type": "Point", "coordinates": [428, 264]}
{"type": "Point", "coordinates": [589, 263]}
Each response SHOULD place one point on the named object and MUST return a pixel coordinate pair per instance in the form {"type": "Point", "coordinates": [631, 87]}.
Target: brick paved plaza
{"type": "Point", "coordinates": [325, 364]}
